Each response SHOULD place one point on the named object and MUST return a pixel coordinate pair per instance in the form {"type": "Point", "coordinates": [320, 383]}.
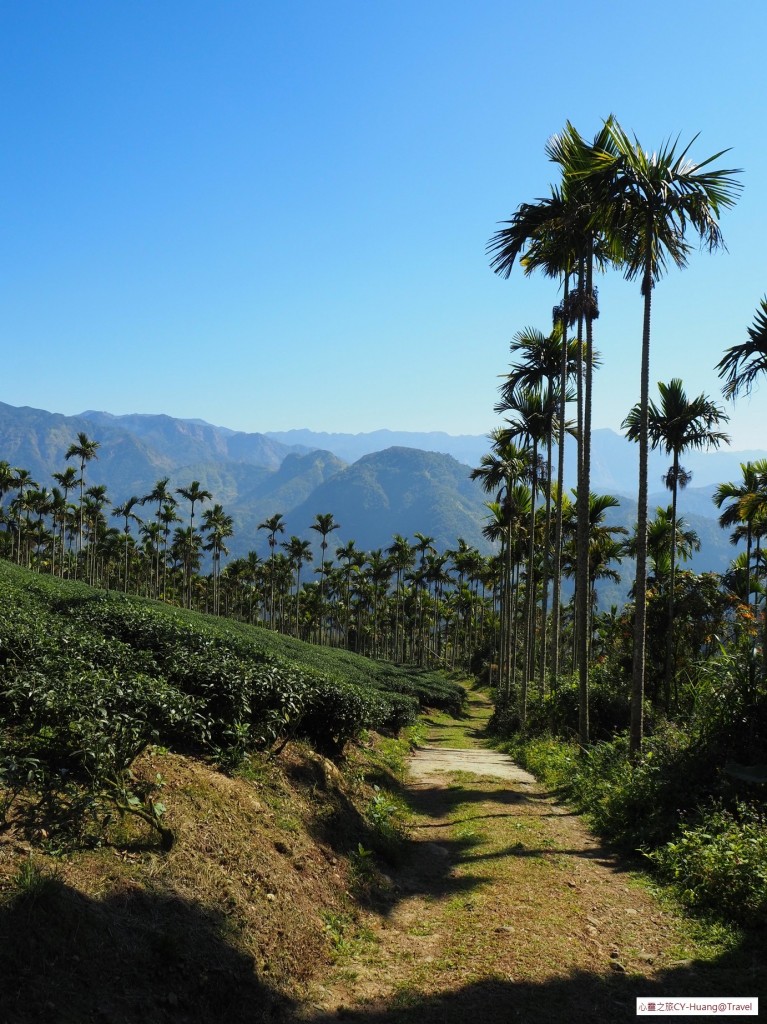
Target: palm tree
{"type": "Point", "coordinates": [604, 548]}
{"type": "Point", "coordinates": [299, 553]}
{"type": "Point", "coordinates": [125, 512]}
{"type": "Point", "coordinates": [273, 525]}
{"type": "Point", "coordinates": [647, 203]}
{"type": "Point", "coordinates": [167, 518]}
{"type": "Point", "coordinates": [741, 510]}
{"type": "Point", "coordinates": [562, 236]}
{"type": "Point", "coordinates": [58, 509]}
{"type": "Point", "coordinates": [185, 551]}
{"type": "Point", "coordinates": [379, 571]}
{"type": "Point", "coordinates": [38, 503]}
{"type": "Point", "coordinates": [160, 494]}
{"type": "Point", "coordinates": [743, 363]}
{"type": "Point", "coordinates": [323, 524]}
{"type": "Point", "coordinates": [353, 559]}
{"type": "Point", "coordinates": [543, 364]}
{"type": "Point", "coordinates": [218, 526]}
{"type": "Point", "coordinates": [85, 450]}
{"type": "Point", "coordinates": [66, 480]}
{"type": "Point", "coordinates": [533, 418]}
{"type": "Point", "coordinates": [401, 556]}
{"type": "Point", "coordinates": [424, 546]}
{"type": "Point", "coordinates": [500, 471]}
{"type": "Point", "coordinates": [95, 504]}
{"type": "Point", "coordinates": [151, 535]}
{"type": "Point", "coordinates": [194, 493]}
{"type": "Point", "coordinates": [677, 424]}
{"type": "Point", "coordinates": [23, 484]}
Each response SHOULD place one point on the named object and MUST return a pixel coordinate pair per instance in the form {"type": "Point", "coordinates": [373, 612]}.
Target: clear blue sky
{"type": "Point", "coordinates": [275, 215]}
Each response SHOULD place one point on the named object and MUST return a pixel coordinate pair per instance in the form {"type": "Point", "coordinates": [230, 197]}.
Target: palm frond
{"type": "Point", "coordinates": [742, 364]}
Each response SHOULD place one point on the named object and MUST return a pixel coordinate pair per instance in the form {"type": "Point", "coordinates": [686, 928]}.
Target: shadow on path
{"type": "Point", "coordinates": [580, 997]}
{"type": "Point", "coordinates": [133, 958]}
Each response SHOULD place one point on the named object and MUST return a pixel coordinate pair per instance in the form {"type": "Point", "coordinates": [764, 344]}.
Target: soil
{"type": "Point", "coordinates": [508, 909]}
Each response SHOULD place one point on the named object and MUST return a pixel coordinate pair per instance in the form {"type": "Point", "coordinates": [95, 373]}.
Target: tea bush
{"type": "Point", "coordinates": [88, 680]}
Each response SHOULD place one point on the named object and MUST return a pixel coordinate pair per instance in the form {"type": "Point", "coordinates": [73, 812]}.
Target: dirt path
{"type": "Point", "coordinates": [507, 908]}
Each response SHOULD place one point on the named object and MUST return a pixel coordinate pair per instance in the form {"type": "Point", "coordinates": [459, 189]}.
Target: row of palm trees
{"type": "Point", "coordinates": [616, 205]}
{"type": "Point", "coordinates": [409, 602]}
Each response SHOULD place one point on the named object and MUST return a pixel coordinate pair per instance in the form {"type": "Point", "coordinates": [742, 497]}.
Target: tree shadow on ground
{"type": "Point", "coordinates": [439, 800]}
{"type": "Point", "coordinates": [135, 957]}
{"type": "Point", "coordinates": [581, 996]}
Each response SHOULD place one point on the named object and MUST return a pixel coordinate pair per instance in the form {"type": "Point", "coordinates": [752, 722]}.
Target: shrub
{"type": "Point", "coordinates": [720, 863]}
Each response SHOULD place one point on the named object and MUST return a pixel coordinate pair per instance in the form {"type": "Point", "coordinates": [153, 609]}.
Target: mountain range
{"type": "Point", "coordinates": [375, 484]}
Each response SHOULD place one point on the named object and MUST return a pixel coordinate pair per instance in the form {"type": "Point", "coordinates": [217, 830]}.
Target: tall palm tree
{"type": "Point", "coordinates": [194, 494]}
{"type": "Point", "coordinates": [85, 450]}
{"type": "Point", "coordinates": [742, 364]}
{"type": "Point", "coordinates": [218, 526]}
{"type": "Point", "coordinates": [647, 204]}
{"type": "Point", "coordinates": [353, 558]}
{"type": "Point", "coordinates": [379, 571]}
{"type": "Point", "coordinates": [324, 524]}
{"type": "Point", "coordinates": [424, 547]}
{"type": "Point", "coordinates": [562, 236]}
{"type": "Point", "coordinates": [401, 555]}
{"type": "Point", "coordinates": [273, 525]}
{"type": "Point", "coordinates": [299, 552]}
{"type": "Point", "coordinates": [185, 551]}
{"type": "Point", "coordinates": [677, 424]}
{"type": "Point", "coordinates": [604, 548]}
{"type": "Point", "coordinates": [126, 513]}
{"type": "Point", "coordinates": [531, 417]}
{"type": "Point", "coordinates": [740, 510]}
{"type": "Point", "coordinates": [540, 363]}
{"type": "Point", "coordinates": [161, 494]}
{"type": "Point", "coordinates": [67, 481]}
{"type": "Point", "coordinates": [500, 471]}
{"type": "Point", "coordinates": [23, 484]}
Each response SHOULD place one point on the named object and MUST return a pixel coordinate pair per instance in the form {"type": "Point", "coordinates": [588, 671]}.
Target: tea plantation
{"type": "Point", "coordinates": [89, 679]}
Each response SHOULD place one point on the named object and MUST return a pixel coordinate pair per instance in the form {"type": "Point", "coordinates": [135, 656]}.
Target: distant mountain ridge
{"type": "Point", "coordinates": [465, 448]}
{"type": "Point", "coordinates": [194, 440]}
{"type": "Point", "coordinates": [400, 489]}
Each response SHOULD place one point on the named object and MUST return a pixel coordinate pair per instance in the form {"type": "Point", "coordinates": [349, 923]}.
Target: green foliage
{"type": "Point", "coordinates": [720, 863]}
{"type": "Point", "coordinates": [550, 760]}
{"type": "Point", "coordinates": [700, 818]}
{"type": "Point", "coordinates": [386, 814]}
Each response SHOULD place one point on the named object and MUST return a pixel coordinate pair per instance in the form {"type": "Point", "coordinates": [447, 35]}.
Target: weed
{"type": "Point", "coordinates": [31, 883]}
{"type": "Point", "coordinates": [362, 867]}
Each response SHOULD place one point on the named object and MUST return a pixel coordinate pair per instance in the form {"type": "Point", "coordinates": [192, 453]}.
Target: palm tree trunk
{"type": "Point", "coordinates": [546, 571]}
{"type": "Point", "coordinates": [556, 614]}
{"type": "Point", "coordinates": [527, 671]}
{"type": "Point", "coordinates": [672, 579]}
{"type": "Point", "coordinates": [584, 491]}
{"type": "Point", "coordinates": [640, 587]}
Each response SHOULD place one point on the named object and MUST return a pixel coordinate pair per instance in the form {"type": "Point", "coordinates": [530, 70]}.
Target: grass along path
{"type": "Point", "coordinates": [507, 909]}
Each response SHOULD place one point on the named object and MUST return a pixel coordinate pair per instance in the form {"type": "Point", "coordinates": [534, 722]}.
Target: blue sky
{"type": "Point", "coordinates": [275, 216]}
